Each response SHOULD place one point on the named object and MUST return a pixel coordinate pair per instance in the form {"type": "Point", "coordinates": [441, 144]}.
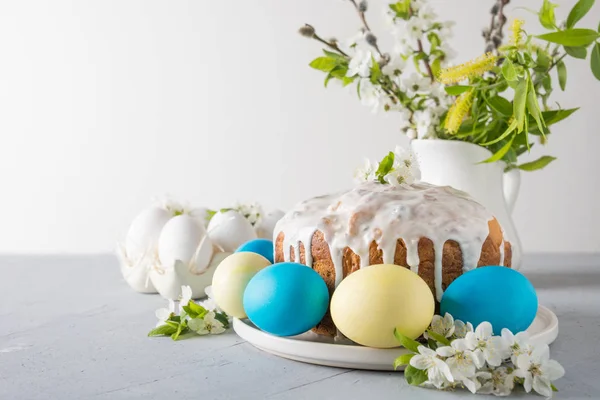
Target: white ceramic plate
{"type": "Point", "coordinates": [315, 349]}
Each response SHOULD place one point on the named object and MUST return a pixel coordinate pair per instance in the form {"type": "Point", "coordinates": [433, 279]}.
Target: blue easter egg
{"type": "Point", "coordinates": [500, 295]}
{"type": "Point", "coordinates": [264, 247]}
{"type": "Point", "coordinates": [286, 299]}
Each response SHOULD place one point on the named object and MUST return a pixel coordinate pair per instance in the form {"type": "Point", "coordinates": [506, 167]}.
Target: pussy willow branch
{"type": "Point", "coordinates": [363, 19]}
{"type": "Point", "coordinates": [332, 45]}
{"type": "Point", "coordinates": [496, 29]}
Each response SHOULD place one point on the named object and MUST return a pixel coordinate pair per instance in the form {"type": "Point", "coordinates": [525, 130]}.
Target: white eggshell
{"type": "Point", "coordinates": [203, 255]}
{"type": "Point", "coordinates": [265, 227]}
{"type": "Point", "coordinates": [179, 240]}
{"type": "Point", "coordinates": [144, 232]}
{"type": "Point", "coordinates": [229, 230]}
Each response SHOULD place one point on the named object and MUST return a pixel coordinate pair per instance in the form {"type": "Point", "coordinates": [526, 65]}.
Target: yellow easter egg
{"type": "Point", "coordinates": [373, 301]}
{"type": "Point", "coordinates": [230, 280]}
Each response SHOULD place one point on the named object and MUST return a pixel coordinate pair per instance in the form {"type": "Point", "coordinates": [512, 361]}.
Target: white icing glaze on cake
{"type": "Point", "coordinates": [383, 213]}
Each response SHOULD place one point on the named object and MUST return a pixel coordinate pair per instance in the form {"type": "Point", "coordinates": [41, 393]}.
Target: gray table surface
{"type": "Point", "coordinates": [70, 328]}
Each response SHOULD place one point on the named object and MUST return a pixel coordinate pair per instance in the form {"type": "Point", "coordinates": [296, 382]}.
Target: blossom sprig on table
{"type": "Point", "coordinates": [399, 167]}
{"type": "Point", "coordinates": [456, 355]}
{"type": "Point", "coordinates": [190, 318]}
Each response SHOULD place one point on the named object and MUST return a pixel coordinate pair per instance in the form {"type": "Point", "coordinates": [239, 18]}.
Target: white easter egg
{"type": "Point", "coordinates": [144, 232]}
{"type": "Point", "coordinates": [266, 226]}
{"type": "Point", "coordinates": [179, 240]}
{"type": "Point", "coordinates": [229, 230]}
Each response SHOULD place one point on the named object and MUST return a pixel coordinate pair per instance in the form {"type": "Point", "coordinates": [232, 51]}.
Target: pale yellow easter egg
{"type": "Point", "coordinates": [230, 280]}
{"type": "Point", "coordinates": [373, 301]}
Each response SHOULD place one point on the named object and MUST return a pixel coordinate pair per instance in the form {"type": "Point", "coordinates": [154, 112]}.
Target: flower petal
{"type": "Point", "coordinates": [484, 330]}
{"type": "Point", "coordinates": [426, 351]}
{"type": "Point", "coordinates": [446, 351]}
{"type": "Point", "coordinates": [542, 386]}
{"type": "Point", "coordinates": [444, 369]}
{"type": "Point", "coordinates": [478, 358]}
{"type": "Point", "coordinates": [553, 370]}
{"type": "Point", "coordinates": [541, 352]}
{"type": "Point", "coordinates": [420, 362]}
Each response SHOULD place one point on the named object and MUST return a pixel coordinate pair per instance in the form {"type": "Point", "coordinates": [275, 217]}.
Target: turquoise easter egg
{"type": "Point", "coordinates": [264, 247]}
{"type": "Point", "coordinates": [286, 299]}
{"type": "Point", "coordinates": [500, 295]}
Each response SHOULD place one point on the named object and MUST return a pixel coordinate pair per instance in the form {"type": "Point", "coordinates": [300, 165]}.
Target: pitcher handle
{"type": "Point", "coordinates": [511, 183]}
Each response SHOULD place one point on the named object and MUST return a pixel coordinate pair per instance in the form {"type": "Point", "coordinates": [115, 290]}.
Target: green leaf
{"type": "Point", "coordinates": [500, 153]}
{"type": "Point", "coordinates": [404, 359]}
{"type": "Point", "coordinates": [407, 342]}
{"type": "Point", "coordinates": [595, 60]}
{"type": "Point", "coordinates": [537, 164]}
{"type": "Point", "coordinates": [401, 8]}
{"type": "Point", "coordinates": [554, 116]}
{"type": "Point", "coordinates": [500, 105]}
{"type": "Point", "coordinates": [508, 70]}
{"type": "Point", "coordinates": [340, 58]}
{"type": "Point", "coordinates": [543, 59]}
{"type": "Point", "coordinates": [436, 66]}
{"type": "Point", "coordinates": [520, 101]}
{"type": "Point", "coordinates": [510, 129]}
{"type": "Point", "coordinates": [375, 71]}
{"type": "Point", "coordinates": [415, 376]}
{"type": "Point", "coordinates": [222, 318]}
{"type": "Point", "coordinates": [339, 71]}
{"type": "Point", "coordinates": [456, 90]}
{"type": "Point", "coordinates": [197, 309]}
{"type": "Point", "coordinates": [327, 79]}
{"type": "Point", "coordinates": [571, 37]}
{"type": "Point", "coordinates": [577, 52]}
{"type": "Point", "coordinates": [546, 15]}
{"type": "Point", "coordinates": [434, 40]}
{"type": "Point", "coordinates": [346, 80]}
{"type": "Point", "coordinates": [554, 389]}
{"type": "Point", "coordinates": [439, 338]}
{"type": "Point", "coordinates": [561, 69]}
{"type": "Point", "coordinates": [324, 64]}
{"type": "Point", "coordinates": [578, 11]}
{"type": "Point", "coordinates": [534, 109]}
{"type": "Point", "coordinates": [163, 330]}
{"type": "Point", "coordinates": [385, 166]}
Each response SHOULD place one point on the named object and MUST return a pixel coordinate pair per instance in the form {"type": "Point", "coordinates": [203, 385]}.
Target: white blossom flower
{"type": "Point", "coordinates": [186, 296]}
{"type": "Point", "coordinates": [163, 314]}
{"type": "Point", "coordinates": [438, 372]}
{"type": "Point", "coordinates": [448, 51]}
{"type": "Point", "coordinates": [426, 121]}
{"type": "Point", "coordinates": [427, 15]}
{"type": "Point", "coordinates": [415, 84]}
{"type": "Point", "coordinates": [538, 370]}
{"type": "Point", "coordinates": [360, 64]}
{"type": "Point", "coordinates": [493, 347]}
{"type": "Point", "coordinates": [411, 133]}
{"type": "Point", "coordinates": [445, 31]}
{"type": "Point", "coordinates": [518, 344]}
{"type": "Point", "coordinates": [371, 95]}
{"type": "Point", "coordinates": [415, 27]}
{"type": "Point", "coordinates": [461, 329]}
{"type": "Point", "coordinates": [394, 67]}
{"type": "Point", "coordinates": [352, 41]}
{"type": "Point", "coordinates": [463, 363]}
{"type": "Point", "coordinates": [208, 325]}
{"type": "Point", "coordinates": [399, 176]}
{"type": "Point", "coordinates": [403, 45]}
{"type": "Point", "coordinates": [366, 173]}
{"type": "Point", "coordinates": [252, 212]}
{"type": "Point", "coordinates": [443, 325]}
{"type": "Point", "coordinates": [497, 382]}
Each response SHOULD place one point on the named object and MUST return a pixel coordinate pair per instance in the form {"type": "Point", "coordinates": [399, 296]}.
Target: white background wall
{"type": "Point", "coordinates": [105, 104]}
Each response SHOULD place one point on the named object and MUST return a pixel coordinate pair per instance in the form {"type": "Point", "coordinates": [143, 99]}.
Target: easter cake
{"type": "Point", "coordinates": [437, 232]}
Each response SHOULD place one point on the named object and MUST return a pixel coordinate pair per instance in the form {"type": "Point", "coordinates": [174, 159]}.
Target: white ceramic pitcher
{"type": "Point", "coordinates": [457, 164]}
